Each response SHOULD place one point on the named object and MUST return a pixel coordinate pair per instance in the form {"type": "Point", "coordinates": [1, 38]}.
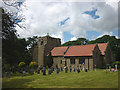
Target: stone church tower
{"type": "Point", "coordinates": [43, 48]}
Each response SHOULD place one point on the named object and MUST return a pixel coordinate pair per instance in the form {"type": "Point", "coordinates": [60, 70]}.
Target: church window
{"type": "Point", "coordinates": [81, 61]}
{"type": "Point", "coordinates": [72, 61]}
{"type": "Point", "coordinates": [61, 62]}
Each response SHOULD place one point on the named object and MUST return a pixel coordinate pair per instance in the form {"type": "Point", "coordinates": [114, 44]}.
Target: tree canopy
{"type": "Point", "coordinates": [114, 43]}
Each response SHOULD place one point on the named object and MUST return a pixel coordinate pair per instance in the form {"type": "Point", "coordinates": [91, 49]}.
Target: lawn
{"type": "Point", "coordinates": [90, 79]}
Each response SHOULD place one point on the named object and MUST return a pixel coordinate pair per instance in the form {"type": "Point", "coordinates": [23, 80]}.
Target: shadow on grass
{"type": "Point", "coordinates": [16, 83]}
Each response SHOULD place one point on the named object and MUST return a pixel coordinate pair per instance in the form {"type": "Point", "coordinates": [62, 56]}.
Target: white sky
{"type": "Point", "coordinates": [45, 17]}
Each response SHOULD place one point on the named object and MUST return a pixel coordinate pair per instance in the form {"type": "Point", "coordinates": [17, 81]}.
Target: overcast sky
{"type": "Point", "coordinates": [69, 20]}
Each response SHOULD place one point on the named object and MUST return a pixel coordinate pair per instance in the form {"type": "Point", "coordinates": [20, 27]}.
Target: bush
{"type": "Point", "coordinates": [21, 64]}
{"type": "Point", "coordinates": [33, 64]}
{"type": "Point", "coordinates": [116, 63]}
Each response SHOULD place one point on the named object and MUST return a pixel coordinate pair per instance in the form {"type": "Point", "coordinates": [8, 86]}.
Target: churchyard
{"type": "Point", "coordinates": [91, 79]}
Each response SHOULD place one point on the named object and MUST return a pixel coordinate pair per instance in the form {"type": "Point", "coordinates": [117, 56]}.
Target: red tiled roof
{"type": "Point", "coordinates": [102, 47]}
{"type": "Point", "coordinates": [79, 50]}
{"type": "Point", "coordinates": [58, 51]}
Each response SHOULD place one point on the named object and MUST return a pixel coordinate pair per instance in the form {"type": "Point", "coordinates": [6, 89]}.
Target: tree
{"type": "Point", "coordinates": [79, 41]}
{"type": "Point", "coordinates": [114, 44]}
{"type": "Point", "coordinates": [31, 42]}
{"type": "Point", "coordinates": [13, 48]}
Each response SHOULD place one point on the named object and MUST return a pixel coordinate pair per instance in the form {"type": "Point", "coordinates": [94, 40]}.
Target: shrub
{"type": "Point", "coordinates": [21, 64]}
{"type": "Point", "coordinates": [33, 64]}
{"type": "Point", "coordinates": [116, 63]}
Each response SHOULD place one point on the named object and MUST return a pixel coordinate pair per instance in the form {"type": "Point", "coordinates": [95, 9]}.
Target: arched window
{"type": "Point", "coordinates": [72, 61]}
{"type": "Point", "coordinates": [41, 43]}
{"type": "Point", "coordinates": [61, 62]}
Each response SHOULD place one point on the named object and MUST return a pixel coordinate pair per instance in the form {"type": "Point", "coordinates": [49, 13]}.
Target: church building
{"type": "Point", "coordinates": [85, 56]}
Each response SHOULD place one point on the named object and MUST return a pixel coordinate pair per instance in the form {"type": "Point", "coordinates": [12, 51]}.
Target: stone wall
{"type": "Point", "coordinates": [97, 60]}
{"type": "Point", "coordinates": [45, 45]}
{"type": "Point", "coordinates": [88, 62]}
{"type": "Point", "coordinates": [35, 54]}
{"type": "Point", "coordinates": [108, 58]}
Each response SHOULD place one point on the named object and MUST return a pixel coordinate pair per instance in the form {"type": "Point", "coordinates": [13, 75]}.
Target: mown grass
{"type": "Point", "coordinates": [90, 79]}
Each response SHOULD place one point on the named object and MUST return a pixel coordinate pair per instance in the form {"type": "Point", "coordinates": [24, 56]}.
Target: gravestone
{"type": "Point", "coordinates": [61, 69]}
{"type": "Point", "coordinates": [78, 70]}
{"type": "Point", "coordinates": [73, 68]}
{"type": "Point", "coordinates": [49, 72]}
{"type": "Point", "coordinates": [85, 70]}
{"type": "Point", "coordinates": [116, 67]}
{"type": "Point", "coordinates": [57, 71]}
{"type": "Point", "coordinates": [65, 69]}
{"type": "Point", "coordinates": [44, 71]}
{"type": "Point", "coordinates": [38, 71]}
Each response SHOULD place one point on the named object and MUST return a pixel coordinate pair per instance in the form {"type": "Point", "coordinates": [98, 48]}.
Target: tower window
{"type": "Point", "coordinates": [41, 43]}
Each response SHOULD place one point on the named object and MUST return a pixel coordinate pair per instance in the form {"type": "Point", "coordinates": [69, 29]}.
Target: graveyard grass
{"type": "Point", "coordinates": [90, 79]}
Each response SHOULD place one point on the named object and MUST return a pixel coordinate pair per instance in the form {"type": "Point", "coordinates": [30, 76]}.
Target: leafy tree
{"type": "Point", "coordinates": [13, 48]}
{"type": "Point", "coordinates": [116, 63]}
{"type": "Point", "coordinates": [114, 44]}
{"type": "Point", "coordinates": [79, 41]}
{"type": "Point", "coordinates": [31, 42]}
